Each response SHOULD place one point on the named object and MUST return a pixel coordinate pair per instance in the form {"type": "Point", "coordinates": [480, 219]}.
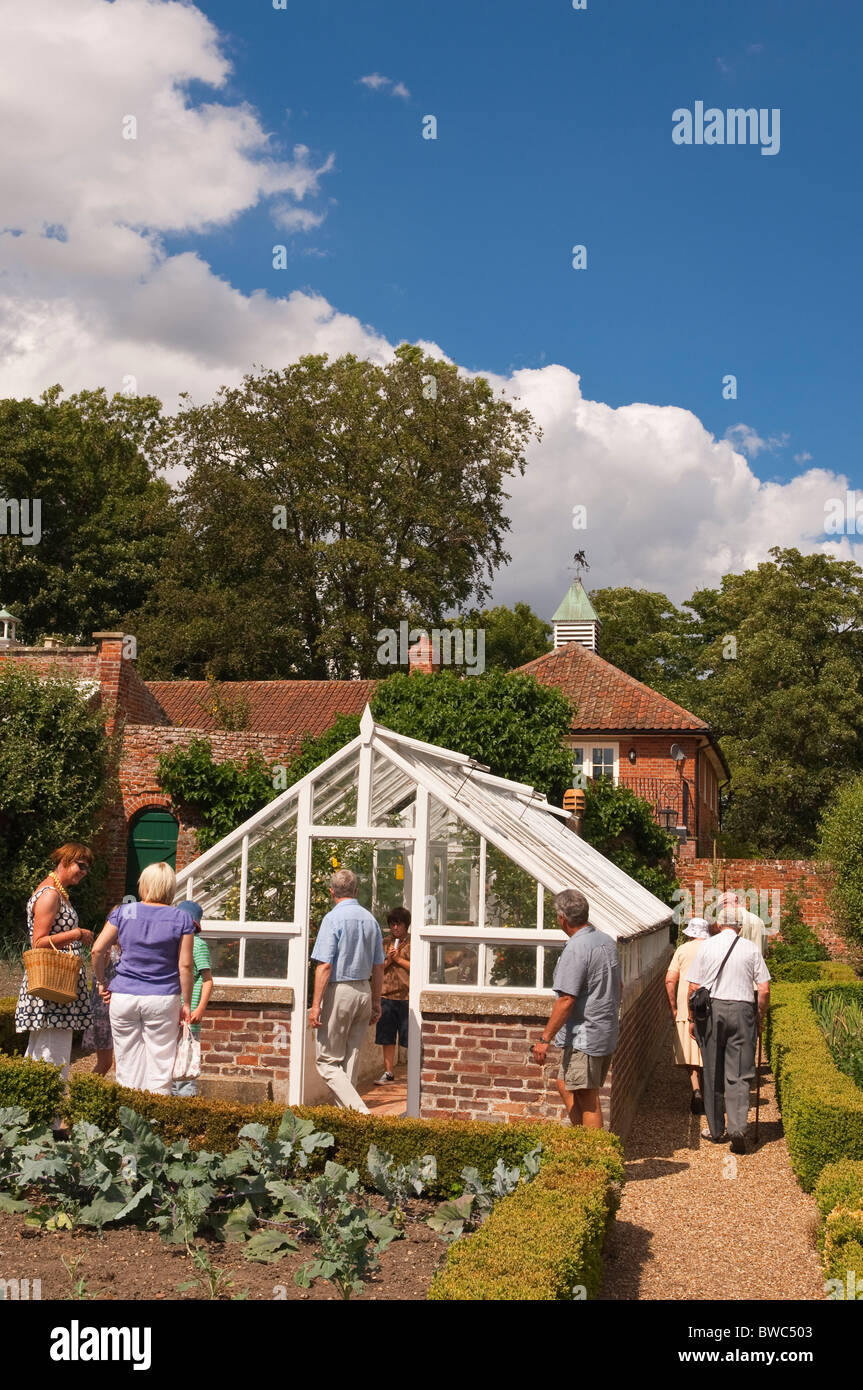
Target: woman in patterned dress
{"type": "Point", "coordinates": [50, 913]}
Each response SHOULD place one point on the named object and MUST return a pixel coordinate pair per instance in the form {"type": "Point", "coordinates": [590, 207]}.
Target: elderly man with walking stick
{"type": "Point", "coordinates": [734, 974]}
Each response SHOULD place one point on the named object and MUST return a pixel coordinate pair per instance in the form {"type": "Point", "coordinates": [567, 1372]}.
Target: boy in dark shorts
{"type": "Point", "coordinates": [393, 1023]}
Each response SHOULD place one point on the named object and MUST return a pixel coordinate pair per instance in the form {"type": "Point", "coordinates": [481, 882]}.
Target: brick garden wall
{"type": "Point", "coordinates": [246, 1043]}
{"type": "Point", "coordinates": [476, 1065]}
{"type": "Point", "coordinates": [805, 876]}
{"type": "Point", "coordinates": [644, 1032]}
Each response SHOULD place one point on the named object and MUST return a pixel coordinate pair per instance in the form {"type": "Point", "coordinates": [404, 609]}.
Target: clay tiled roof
{"type": "Point", "coordinates": [275, 707]}
{"type": "Point", "coordinates": [605, 698]}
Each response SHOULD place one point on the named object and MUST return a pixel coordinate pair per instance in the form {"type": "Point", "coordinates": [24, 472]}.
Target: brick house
{"type": "Point", "coordinates": [629, 733]}
{"type": "Point", "coordinates": [624, 731]}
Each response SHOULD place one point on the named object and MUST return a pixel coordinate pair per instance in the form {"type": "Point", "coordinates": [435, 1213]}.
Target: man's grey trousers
{"type": "Point", "coordinates": [345, 1015]}
{"type": "Point", "coordinates": [728, 1053]}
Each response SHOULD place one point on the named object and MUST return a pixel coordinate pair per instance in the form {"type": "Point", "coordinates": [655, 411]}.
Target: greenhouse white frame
{"type": "Point", "coordinates": [396, 772]}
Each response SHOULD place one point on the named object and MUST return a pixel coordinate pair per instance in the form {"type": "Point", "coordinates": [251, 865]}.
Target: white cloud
{"type": "Point", "coordinates": [375, 82]}
{"type": "Point", "coordinates": [805, 457]}
{"type": "Point", "coordinates": [669, 506]}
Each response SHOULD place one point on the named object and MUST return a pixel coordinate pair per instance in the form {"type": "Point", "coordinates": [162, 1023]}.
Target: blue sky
{"type": "Point", "coordinates": [254, 128]}
{"type": "Point", "coordinates": [555, 129]}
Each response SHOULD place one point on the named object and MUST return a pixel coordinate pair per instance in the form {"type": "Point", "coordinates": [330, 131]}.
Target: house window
{"type": "Point", "coordinates": [595, 760]}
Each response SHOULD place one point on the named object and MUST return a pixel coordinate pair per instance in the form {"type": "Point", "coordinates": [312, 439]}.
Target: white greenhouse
{"type": "Point", "coordinates": [476, 860]}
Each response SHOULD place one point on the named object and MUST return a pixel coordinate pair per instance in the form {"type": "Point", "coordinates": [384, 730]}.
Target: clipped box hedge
{"type": "Point", "coordinates": [542, 1244]}
{"type": "Point", "coordinates": [37, 1086]}
{"type": "Point", "coordinates": [215, 1125]}
{"type": "Point", "coordinates": [822, 1109]}
{"type": "Point", "coordinates": [839, 1194]}
{"type": "Point", "coordinates": [12, 1043]}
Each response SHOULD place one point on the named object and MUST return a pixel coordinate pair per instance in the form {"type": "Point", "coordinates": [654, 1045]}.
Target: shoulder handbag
{"type": "Point", "coordinates": [699, 1003]}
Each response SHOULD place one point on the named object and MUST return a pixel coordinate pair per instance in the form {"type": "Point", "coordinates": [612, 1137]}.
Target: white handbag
{"type": "Point", "coordinates": [187, 1063]}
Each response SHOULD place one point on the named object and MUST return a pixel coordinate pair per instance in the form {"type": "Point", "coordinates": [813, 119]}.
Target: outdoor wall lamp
{"type": "Point", "coordinates": [632, 755]}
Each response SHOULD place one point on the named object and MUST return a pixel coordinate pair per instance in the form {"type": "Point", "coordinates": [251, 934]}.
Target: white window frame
{"type": "Point", "coordinates": [585, 745]}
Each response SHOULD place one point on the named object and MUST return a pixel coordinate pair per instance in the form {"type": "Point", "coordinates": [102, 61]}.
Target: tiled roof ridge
{"type": "Point", "coordinates": [621, 676]}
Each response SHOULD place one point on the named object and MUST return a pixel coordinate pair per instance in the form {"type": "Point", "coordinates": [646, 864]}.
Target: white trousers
{"type": "Point", "coordinates": [345, 1015]}
{"type": "Point", "coordinates": [146, 1030]}
{"type": "Point", "coordinates": [52, 1045]}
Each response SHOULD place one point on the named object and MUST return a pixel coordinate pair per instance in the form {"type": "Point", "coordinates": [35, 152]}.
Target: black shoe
{"type": "Point", "coordinates": [723, 1138]}
{"type": "Point", "coordinates": [738, 1143]}
{"type": "Point", "coordinates": [696, 1105]}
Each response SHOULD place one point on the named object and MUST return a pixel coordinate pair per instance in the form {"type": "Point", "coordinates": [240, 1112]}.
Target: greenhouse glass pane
{"type": "Point", "coordinates": [272, 876]}
{"type": "Point", "coordinates": [224, 955]}
{"type": "Point", "coordinates": [452, 884]}
{"type": "Point", "coordinates": [266, 959]}
{"type": "Point", "coordinates": [329, 855]}
{"type": "Point", "coordinates": [510, 893]}
{"type": "Point", "coordinates": [549, 915]}
{"type": "Point", "coordinates": [511, 967]}
{"type": "Point", "coordinates": [453, 964]}
{"type": "Point", "coordinates": [552, 956]}
{"type": "Point", "coordinates": [334, 797]}
{"type": "Point", "coordinates": [393, 794]}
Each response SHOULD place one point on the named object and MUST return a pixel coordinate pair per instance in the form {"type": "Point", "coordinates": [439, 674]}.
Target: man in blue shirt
{"type": "Point", "coordinates": [349, 949]}
{"type": "Point", "coordinates": [585, 1020]}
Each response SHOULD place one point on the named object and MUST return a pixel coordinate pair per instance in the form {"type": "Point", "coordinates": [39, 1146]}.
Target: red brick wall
{"type": "Point", "coordinates": [644, 1031]}
{"type": "Point", "coordinates": [477, 1067]}
{"type": "Point", "coordinates": [805, 876]}
{"type": "Point", "coordinates": [247, 1042]}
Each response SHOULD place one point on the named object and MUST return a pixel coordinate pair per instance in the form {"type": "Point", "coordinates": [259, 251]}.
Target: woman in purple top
{"type": "Point", "coordinates": [151, 992]}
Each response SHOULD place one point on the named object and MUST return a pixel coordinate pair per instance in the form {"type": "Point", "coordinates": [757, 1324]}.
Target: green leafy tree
{"type": "Point", "coordinates": [783, 688]}
{"type": "Point", "coordinates": [841, 846]}
{"type": "Point", "coordinates": [513, 636]}
{"type": "Point", "coordinates": [621, 826]}
{"type": "Point", "coordinates": [325, 502]}
{"type": "Point", "coordinates": [510, 722]}
{"type": "Point", "coordinates": [55, 775]}
{"type": "Point", "coordinates": [91, 463]}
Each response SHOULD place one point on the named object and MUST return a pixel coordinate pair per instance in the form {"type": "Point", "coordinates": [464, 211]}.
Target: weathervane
{"type": "Point", "coordinates": [579, 563]}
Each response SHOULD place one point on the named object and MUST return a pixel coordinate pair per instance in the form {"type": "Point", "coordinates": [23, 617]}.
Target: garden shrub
{"type": "Point", "coordinates": [10, 1041]}
{"type": "Point", "coordinates": [839, 1194]}
{"type": "Point", "coordinates": [794, 971]}
{"type": "Point", "coordinates": [541, 1244]}
{"type": "Point", "coordinates": [456, 1144]}
{"type": "Point", "coordinates": [822, 1110]}
{"type": "Point", "coordinates": [36, 1086]}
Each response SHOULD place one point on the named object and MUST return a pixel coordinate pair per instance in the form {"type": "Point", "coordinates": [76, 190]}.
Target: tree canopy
{"type": "Point", "coordinates": [55, 763]}
{"type": "Point", "coordinates": [324, 502]}
{"type": "Point", "coordinates": [105, 515]}
{"type": "Point", "coordinates": [773, 660]}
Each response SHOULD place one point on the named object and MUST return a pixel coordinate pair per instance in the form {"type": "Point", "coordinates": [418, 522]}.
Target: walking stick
{"type": "Point", "coordinates": [758, 1091]}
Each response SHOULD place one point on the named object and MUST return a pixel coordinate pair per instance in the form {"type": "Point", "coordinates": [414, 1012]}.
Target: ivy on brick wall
{"type": "Point", "coordinates": [224, 794]}
{"type": "Point", "coordinates": [55, 762]}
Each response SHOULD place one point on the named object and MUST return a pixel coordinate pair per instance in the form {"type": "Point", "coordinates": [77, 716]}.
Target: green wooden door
{"type": "Point", "coordinates": [152, 840]}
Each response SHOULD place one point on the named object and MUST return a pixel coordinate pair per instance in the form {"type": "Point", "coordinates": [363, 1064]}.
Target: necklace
{"type": "Point", "coordinates": [58, 885]}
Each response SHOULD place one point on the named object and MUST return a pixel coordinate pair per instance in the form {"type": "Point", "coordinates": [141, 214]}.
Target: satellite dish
{"type": "Point", "coordinates": [677, 753]}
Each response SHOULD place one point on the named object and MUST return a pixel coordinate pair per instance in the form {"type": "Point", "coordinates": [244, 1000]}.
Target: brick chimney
{"type": "Point", "coordinates": [423, 657]}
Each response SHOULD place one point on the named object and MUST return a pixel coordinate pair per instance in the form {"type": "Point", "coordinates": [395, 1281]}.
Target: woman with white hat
{"type": "Point", "coordinates": [686, 1050]}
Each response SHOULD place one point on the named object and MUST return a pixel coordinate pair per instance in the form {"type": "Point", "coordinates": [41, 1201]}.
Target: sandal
{"type": "Point", "coordinates": [723, 1138]}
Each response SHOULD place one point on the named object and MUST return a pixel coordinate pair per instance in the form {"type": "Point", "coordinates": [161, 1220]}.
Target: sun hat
{"type": "Point", "coordinates": [194, 909]}
{"type": "Point", "coordinates": [698, 927]}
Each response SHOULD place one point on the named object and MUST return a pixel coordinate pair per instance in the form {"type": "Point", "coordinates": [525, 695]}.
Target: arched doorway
{"type": "Point", "coordinates": [152, 838]}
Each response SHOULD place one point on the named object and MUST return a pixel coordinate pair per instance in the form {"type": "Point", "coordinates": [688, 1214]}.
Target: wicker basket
{"type": "Point", "coordinates": [52, 974]}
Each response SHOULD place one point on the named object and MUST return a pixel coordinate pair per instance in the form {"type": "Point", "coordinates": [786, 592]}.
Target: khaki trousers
{"type": "Point", "coordinates": [345, 1015]}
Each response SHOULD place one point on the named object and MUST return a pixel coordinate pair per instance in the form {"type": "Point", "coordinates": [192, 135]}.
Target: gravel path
{"type": "Point", "coordinates": [696, 1223]}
